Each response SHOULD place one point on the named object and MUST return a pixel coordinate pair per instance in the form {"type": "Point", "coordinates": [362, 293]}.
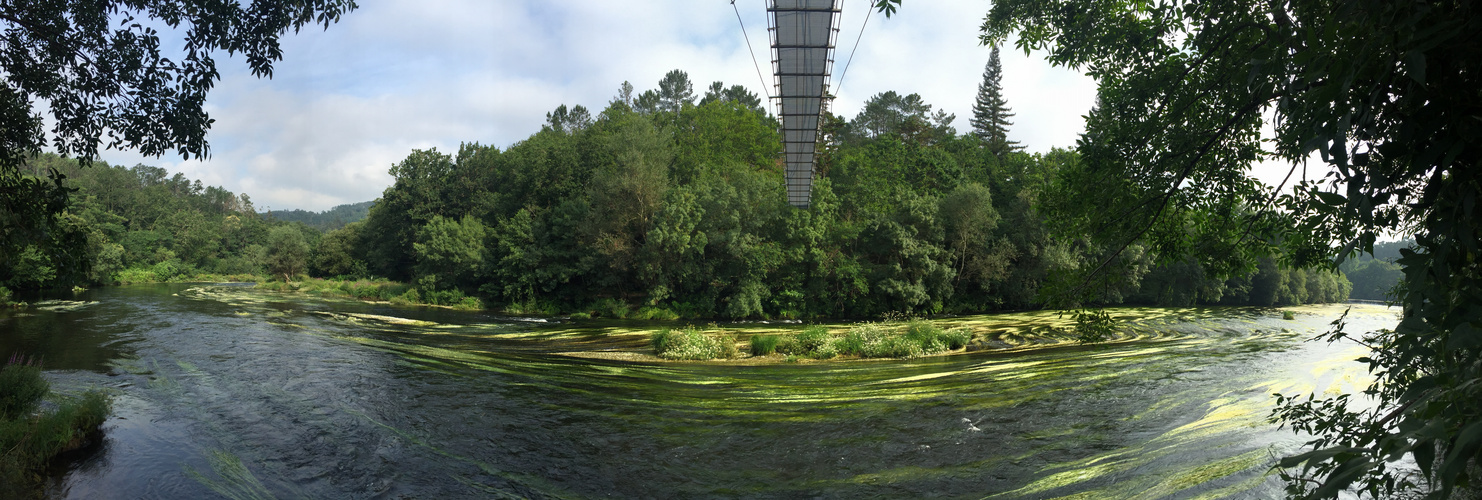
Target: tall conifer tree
{"type": "Point", "coordinates": [990, 112]}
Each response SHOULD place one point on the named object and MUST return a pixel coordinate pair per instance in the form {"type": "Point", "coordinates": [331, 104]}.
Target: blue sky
{"type": "Point", "coordinates": [347, 103]}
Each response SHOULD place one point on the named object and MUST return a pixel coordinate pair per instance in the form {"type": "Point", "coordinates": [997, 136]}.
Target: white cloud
{"type": "Point", "coordinates": [347, 103]}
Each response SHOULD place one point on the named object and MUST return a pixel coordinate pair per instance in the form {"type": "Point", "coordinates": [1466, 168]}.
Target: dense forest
{"type": "Point", "coordinates": [327, 220]}
{"type": "Point", "coordinates": [1374, 276]}
{"type": "Point", "coordinates": [667, 204]}
{"type": "Point", "coordinates": [142, 224]}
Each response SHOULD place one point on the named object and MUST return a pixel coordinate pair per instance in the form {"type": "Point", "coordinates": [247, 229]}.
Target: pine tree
{"type": "Point", "coordinates": [991, 113]}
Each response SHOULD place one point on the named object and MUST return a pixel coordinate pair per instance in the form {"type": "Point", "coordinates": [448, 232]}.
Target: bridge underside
{"type": "Point", "coordinates": [803, 33]}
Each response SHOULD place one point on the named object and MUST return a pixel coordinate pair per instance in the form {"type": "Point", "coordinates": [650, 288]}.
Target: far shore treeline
{"type": "Point", "coordinates": [665, 204]}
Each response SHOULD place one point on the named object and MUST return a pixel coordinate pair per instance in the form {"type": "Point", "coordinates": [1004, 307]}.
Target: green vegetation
{"type": "Point", "coordinates": [890, 339]}
{"type": "Point", "coordinates": [140, 225]}
{"type": "Point", "coordinates": [690, 343]}
{"type": "Point", "coordinates": [1374, 276]}
{"type": "Point", "coordinates": [896, 340]}
{"type": "Point", "coordinates": [812, 342]}
{"type": "Point", "coordinates": [1095, 326]}
{"type": "Point", "coordinates": [664, 207]}
{"type": "Point", "coordinates": [328, 220]}
{"type": "Point", "coordinates": [106, 84]}
{"type": "Point", "coordinates": [1385, 93]}
{"type": "Point", "coordinates": [29, 437]}
{"type": "Point", "coordinates": [1288, 315]}
{"type": "Point", "coordinates": [762, 345]}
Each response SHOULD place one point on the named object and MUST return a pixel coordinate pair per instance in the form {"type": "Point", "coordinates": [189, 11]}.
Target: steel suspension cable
{"type": "Point", "coordinates": [758, 66]}
{"type": "Point", "coordinates": [869, 10]}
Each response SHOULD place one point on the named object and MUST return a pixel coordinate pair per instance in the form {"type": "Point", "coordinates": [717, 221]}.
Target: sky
{"type": "Point", "coordinates": [346, 103]}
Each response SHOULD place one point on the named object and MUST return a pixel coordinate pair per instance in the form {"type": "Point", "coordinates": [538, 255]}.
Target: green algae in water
{"type": "Point", "coordinates": [1055, 420]}
{"type": "Point", "coordinates": [233, 480]}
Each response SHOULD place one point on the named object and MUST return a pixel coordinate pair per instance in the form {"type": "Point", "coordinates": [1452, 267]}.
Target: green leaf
{"type": "Point", "coordinates": [1316, 456]}
{"type": "Point", "coordinates": [1425, 456]}
{"type": "Point", "coordinates": [1345, 474]}
{"type": "Point", "coordinates": [1333, 199]}
{"type": "Point", "coordinates": [1466, 445]}
{"type": "Point", "coordinates": [1415, 66]}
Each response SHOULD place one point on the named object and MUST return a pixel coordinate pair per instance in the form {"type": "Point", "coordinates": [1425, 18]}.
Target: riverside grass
{"type": "Point", "coordinates": [30, 438]}
{"type": "Point", "coordinates": [891, 339]}
{"type": "Point", "coordinates": [377, 290]}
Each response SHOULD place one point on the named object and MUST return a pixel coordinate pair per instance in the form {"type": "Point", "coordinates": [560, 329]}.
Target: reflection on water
{"type": "Point", "coordinates": [229, 391]}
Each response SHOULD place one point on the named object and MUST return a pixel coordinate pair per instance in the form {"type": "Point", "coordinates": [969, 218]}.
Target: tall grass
{"type": "Point", "coordinates": [28, 438]}
{"type": "Point", "coordinates": [762, 345]}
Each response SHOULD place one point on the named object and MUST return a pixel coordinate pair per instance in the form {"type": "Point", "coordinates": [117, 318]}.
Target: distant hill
{"type": "Point", "coordinates": [327, 220]}
{"type": "Point", "coordinates": [1374, 277]}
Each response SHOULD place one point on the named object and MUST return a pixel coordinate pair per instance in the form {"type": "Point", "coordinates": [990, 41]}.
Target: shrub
{"type": "Point", "coordinates": [611, 308]}
{"type": "Point", "coordinates": [136, 275]}
{"type": "Point", "coordinates": [895, 346]}
{"type": "Point", "coordinates": [442, 297]}
{"type": "Point", "coordinates": [580, 315]}
{"type": "Point", "coordinates": [1288, 315]}
{"type": "Point", "coordinates": [926, 335]}
{"type": "Point", "coordinates": [813, 342]}
{"type": "Point", "coordinates": [4, 296]}
{"type": "Point", "coordinates": [690, 343]}
{"type": "Point", "coordinates": [469, 304]}
{"type": "Point", "coordinates": [410, 297]}
{"type": "Point", "coordinates": [918, 338]}
{"type": "Point", "coordinates": [787, 345]}
{"type": "Point", "coordinates": [21, 389]}
{"type": "Point", "coordinates": [957, 338]}
{"type": "Point", "coordinates": [812, 339]}
{"type": "Point", "coordinates": [1093, 326]}
{"type": "Point", "coordinates": [762, 345]}
{"type": "Point", "coordinates": [660, 313]}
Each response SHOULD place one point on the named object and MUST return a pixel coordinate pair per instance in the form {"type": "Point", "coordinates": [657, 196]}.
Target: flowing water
{"type": "Point", "coordinates": [227, 391]}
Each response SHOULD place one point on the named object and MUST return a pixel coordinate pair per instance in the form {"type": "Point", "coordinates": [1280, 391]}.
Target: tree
{"type": "Point", "coordinates": [991, 112]}
{"type": "Point", "coordinates": [287, 252]}
{"type": "Point", "coordinates": [450, 250]}
{"type": "Point", "coordinates": [627, 192]}
{"type": "Point", "coordinates": [335, 254]}
{"type": "Point", "coordinates": [625, 94]}
{"type": "Point", "coordinates": [735, 93]}
{"type": "Point", "coordinates": [1386, 93]}
{"type": "Point", "coordinates": [564, 121]}
{"type": "Point", "coordinates": [107, 85]}
{"type": "Point", "coordinates": [968, 218]}
{"type": "Point", "coordinates": [906, 117]}
{"type": "Point", "coordinates": [648, 102]}
{"type": "Point", "coordinates": [675, 91]}
{"type": "Point", "coordinates": [416, 197]}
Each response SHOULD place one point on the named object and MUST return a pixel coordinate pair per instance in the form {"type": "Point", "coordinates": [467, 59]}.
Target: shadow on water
{"type": "Point", "coordinates": [234, 392]}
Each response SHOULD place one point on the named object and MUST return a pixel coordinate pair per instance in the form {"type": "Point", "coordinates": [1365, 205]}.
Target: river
{"type": "Point", "coordinates": [227, 391]}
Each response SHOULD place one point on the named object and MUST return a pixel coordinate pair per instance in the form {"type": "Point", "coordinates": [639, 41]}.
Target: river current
{"type": "Point", "coordinates": [227, 391]}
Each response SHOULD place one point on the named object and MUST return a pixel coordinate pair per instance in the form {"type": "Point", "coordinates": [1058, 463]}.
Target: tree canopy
{"type": "Point", "coordinates": [106, 83]}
